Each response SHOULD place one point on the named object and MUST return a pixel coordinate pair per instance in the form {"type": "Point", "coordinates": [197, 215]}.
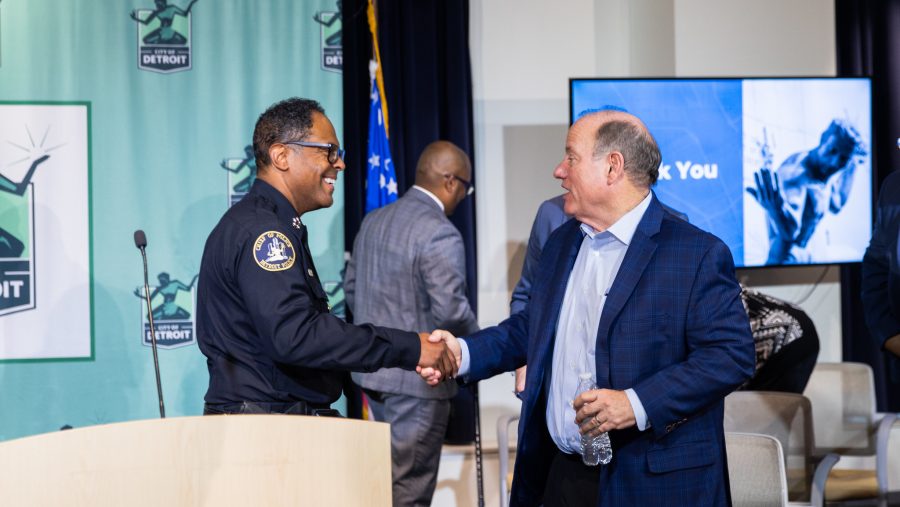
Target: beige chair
{"type": "Point", "coordinates": [756, 470]}
{"type": "Point", "coordinates": [503, 424]}
{"type": "Point", "coordinates": [893, 464]}
{"type": "Point", "coordinates": [845, 423]}
{"type": "Point", "coordinates": [786, 417]}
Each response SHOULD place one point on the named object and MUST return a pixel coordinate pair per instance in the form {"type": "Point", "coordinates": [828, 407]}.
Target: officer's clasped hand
{"type": "Point", "coordinates": [447, 365]}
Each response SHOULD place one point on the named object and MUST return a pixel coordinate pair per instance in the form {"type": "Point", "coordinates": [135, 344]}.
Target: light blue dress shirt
{"type": "Point", "coordinates": [595, 269]}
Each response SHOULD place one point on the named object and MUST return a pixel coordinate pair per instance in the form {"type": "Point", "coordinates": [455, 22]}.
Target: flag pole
{"type": "Point", "coordinates": [379, 77]}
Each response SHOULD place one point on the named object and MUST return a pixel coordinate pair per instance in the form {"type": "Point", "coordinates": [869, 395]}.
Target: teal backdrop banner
{"type": "Point", "coordinates": [135, 114]}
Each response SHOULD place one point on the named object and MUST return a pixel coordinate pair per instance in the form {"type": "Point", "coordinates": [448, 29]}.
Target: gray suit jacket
{"type": "Point", "coordinates": [408, 272]}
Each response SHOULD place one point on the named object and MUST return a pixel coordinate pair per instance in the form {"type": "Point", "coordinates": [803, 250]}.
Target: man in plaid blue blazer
{"type": "Point", "coordinates": [646, 303]}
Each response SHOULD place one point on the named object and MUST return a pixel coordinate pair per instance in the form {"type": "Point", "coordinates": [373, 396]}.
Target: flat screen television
{"type": "Point", "coordinates": [779, 168]}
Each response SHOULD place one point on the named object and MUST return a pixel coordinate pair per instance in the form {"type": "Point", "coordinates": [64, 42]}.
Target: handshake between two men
{"type": "Point", "coordinates": [596, 411]}
{"type": "Point", "coordinates": [440, 357]}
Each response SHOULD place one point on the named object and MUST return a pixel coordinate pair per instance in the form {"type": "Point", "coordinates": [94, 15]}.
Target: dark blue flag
{"type": "Point", "coordinates": [381, 181]}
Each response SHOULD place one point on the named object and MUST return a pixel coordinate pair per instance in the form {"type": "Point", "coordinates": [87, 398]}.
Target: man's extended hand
{"type": "Point", "coordinates": [433, 375]}
{"type": "Point", "coordinates": [767, 191]}
{"type": "Point", "coordinates": [437, 358]}
{"type": "Point", "coordinates": [602, 410]}
{"type": "Point", "coordinates": [768, 194]}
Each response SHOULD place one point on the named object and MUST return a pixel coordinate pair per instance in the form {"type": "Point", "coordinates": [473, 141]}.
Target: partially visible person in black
{"type": "Point", "coordinates": [881, 276]}
{"type": "Point", "coordinates": [786, 341]}
{"type": "Point", "coordinates": [263, 320]}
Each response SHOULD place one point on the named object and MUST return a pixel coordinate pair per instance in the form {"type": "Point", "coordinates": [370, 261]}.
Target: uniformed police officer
{"type": "Point", "coordinates": [262, 315]}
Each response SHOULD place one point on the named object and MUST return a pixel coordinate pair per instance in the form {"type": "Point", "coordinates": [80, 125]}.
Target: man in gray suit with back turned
{"type": "Point", "coordinates": [408, 271]}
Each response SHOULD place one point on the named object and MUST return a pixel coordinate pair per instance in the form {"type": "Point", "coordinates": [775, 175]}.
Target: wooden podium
{"type": "Point", "coordinates": [215, 460]}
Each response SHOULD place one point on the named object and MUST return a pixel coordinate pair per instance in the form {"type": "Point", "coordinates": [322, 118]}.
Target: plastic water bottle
{"type": "Point", "coordinates": [594, 450]}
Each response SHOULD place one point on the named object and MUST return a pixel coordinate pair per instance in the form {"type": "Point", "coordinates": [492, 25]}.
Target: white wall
{"type": "Point", "coordinates": [759, 38]}
{"type": "Point", "coordinates": [524, 52]}
{"type": "Point", "coordinates": [521, 72]}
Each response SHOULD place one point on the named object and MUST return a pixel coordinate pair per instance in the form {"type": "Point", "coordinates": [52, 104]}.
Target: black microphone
{"type": "Point", "coordinates": [140, 241]}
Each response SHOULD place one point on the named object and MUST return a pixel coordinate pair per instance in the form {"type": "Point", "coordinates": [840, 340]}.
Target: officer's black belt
{"type": "Point", "coordinates": [259, 407]}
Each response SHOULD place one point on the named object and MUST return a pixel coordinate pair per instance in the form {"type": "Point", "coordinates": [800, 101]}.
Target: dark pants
{"type": "Point", "coordinates": [254, 407]}
{"type": "Point", "coordinates": [571, 483]}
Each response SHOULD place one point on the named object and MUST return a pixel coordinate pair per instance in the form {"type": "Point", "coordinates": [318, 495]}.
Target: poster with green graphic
{"type": "Point", "coordinates": [139, 114]}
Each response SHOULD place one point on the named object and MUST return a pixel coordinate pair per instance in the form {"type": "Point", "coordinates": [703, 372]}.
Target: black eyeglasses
{"type": "Point", "coordinates": [470, 188]}
{"type": "Point", "coordinates": [334, 152]}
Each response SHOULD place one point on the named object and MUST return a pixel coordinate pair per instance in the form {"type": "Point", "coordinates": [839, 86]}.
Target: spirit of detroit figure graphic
{"type": "Point", "coordinates": [806, 186]}
{"type": "Point", "coordinates": [276, 251]}
{"type": "Point", "coordinates": [165, 13]}
{"type": "Point", "coordinates": [11, 246]}
{"type": "Point", "coordinates": [168, 289]}
{"type": "Point", "coordinates": [335, 38]}
{"type": "Point", "coordinates": [249, 161]}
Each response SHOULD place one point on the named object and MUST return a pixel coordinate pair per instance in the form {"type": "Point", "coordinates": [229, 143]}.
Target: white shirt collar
{"type": "Point", "coordinates": [624, 228]}
{"type": "Point", "coordinates": [429, 194]}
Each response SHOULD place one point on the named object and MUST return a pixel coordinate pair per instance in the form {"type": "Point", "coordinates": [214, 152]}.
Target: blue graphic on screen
{"type": "Point", "coordinates": [779, 169]}
{"type": "Point", "coordinates": [697, 125]}
{"type": "Point", "coordinates": [810, 139]}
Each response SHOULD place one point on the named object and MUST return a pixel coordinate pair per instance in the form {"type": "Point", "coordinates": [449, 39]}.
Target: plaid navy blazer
{"type": "Point", "coordinates": [673, 328]}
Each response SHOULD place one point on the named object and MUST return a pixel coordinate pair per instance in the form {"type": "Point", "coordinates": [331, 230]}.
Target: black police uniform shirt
{"type": "Point", "coordinates": [262, 315]}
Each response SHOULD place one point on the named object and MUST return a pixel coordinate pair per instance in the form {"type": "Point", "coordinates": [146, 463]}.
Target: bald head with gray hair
{"type": "Point", "coordinates": [625, 133]}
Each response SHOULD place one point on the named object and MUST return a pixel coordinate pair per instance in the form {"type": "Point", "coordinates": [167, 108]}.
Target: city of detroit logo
{"type": "Point", "coordinates": [172, 305]}
{"type": "Point", "coordinates": [45, 230]}
{"type": "Point", "coordinates": [164, 37]}
{"type": "Point", "coordinates": [17, 224]}
{"type": "Point", "coordinates": [17, 242]}
{"type": "Point", "coordinates": [330, 33]}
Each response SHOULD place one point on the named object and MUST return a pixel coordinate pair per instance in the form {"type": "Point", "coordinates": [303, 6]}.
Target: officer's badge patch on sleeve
{"type": "Point", "coordinates": [273, 251]}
